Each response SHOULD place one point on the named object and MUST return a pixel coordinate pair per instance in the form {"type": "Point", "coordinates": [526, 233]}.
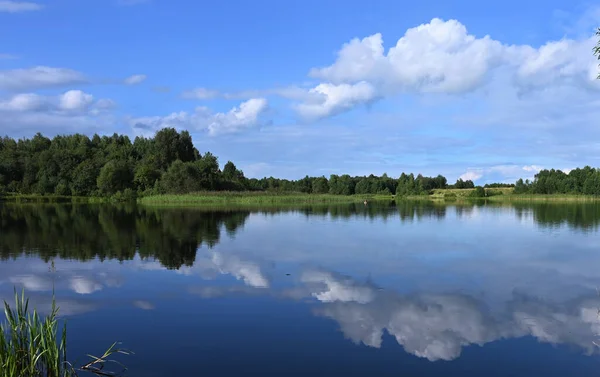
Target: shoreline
{"type": "Point", "coordinates": [220, 198]}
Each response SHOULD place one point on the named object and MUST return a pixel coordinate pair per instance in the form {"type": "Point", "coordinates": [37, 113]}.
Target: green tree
{"type": "Point", "coordinates": [479, 192]}
{"type": "Point", "coordinates": [182, 177]}
{"type": "Point", "coordinates": [320, 185]}
{"type": "Point", "coordinates": [84, 180]}
{"type": "Point", "coordinates": [114, 176]}
{"type": "Point", "coordinates": [208, 166]}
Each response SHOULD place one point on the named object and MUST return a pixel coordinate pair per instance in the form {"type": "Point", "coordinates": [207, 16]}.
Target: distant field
{"type": "Point", "coordinates": [254, 198]}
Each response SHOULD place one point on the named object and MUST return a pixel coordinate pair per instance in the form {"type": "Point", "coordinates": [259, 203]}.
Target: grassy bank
{"type": "Point", "coordinates": [255, 198]}
{"type": "Point", "coordinates": [506, 194]}
{"type": "Point", "coordinates": [549, 198]}
{"type": "Point", "coordinates": [262, 198]}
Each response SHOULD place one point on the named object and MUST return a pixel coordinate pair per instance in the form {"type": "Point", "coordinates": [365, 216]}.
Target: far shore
{"type": "Point", "coordinates": [263, 198]}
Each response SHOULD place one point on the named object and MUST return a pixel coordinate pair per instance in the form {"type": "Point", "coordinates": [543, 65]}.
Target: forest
{"type": "Point", "coordinates": [168, 163]}
{"type": "Point", "coordinates": [580, 181]}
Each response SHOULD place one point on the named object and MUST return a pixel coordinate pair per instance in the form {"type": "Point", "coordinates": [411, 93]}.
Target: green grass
{"type": "Point", "coordinates": [505, 194]}
{"type": "Point", "coordinates": [543, 197]}
{"type": "Point", "coordinates": [30, 345]}
{"type": "Point", "coordinates": [255, 198]}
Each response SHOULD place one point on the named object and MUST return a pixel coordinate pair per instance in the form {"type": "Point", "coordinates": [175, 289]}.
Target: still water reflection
{"type": "Point", "coordinates": [414, 288]}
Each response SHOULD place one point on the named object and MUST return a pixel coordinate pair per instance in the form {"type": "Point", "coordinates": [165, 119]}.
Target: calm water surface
{"type": "Point", "coordinates": [383, 290]}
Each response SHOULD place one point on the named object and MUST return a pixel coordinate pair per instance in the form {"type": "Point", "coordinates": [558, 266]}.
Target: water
{"type": "Point", "coordinates": [383, 290]}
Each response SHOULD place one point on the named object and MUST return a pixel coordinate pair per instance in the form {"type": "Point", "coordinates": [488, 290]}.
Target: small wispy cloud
{"type": "Point", "coordinates": [8, 57]}
{"type": "Point", "coordinates": [10, 6]}
{"type": "Point", "coordinates": [135, 79]}
{"type": "Point", "coordinates": [131, 2]}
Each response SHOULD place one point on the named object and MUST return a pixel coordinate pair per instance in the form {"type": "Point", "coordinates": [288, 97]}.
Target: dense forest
{"type": "Point", "coordinates": [168, 163]}
{"type": "Point", "coordinates": [578, 181]}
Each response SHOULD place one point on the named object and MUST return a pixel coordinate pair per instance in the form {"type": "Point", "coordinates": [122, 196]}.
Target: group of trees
{"type": "Point", "coordinates": [167, 163]}
{"type": "Point", "coordinates": [78, 165]}
{"type": "Point", "coordinates": [585, 181]}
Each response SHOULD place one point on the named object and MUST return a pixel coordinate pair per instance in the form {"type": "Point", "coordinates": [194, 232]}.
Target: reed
{"type": "Point", "coordinates": [254, 198]}
{"type": "Point", "coordinates": [30, 345]}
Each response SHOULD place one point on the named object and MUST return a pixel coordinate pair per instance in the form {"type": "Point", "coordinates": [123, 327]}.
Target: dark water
{"type": "Point", "coordinates": [383, 290]}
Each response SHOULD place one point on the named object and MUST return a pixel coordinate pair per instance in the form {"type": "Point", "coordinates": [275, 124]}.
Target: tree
{"type": "Point", "coordinates": [320, 185]}
{"type": "Point", "coordinates": [208, 167]}
{"type": "Point", "coordinates": [169, 146]}
{"type": "Point", "coordinates": [85, 176]}
{"type": "Point", "coordinates": [181, 177]}
{"type": "Point", "coordinates": [114, 176]}
{"type": "Point", "coordinates": [479, 192]}
{"type": "Point", "coordinates": [520, 187]}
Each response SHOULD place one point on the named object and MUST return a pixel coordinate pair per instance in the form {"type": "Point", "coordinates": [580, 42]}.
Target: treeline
{"type": "Point", "coordinates": [580, 181]}
{"type": "Point", "coordinates": [168, 163]}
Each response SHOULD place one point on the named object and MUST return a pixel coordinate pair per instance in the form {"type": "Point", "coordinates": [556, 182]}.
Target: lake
{"type": "Point", "coordinates": [387, 289]}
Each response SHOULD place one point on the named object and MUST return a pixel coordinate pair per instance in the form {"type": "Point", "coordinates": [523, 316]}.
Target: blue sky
{"type": "Point", "coordinates": [479, 90]}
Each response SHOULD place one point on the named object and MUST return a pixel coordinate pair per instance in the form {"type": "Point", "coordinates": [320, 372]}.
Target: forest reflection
{"type": "Point", "coordinates": [172, 235]}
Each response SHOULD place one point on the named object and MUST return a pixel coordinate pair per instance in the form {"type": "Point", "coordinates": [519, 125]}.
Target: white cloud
{"type": "Point", "coordinates": [502, 173]}
{"type": "Point", "coordinates": [200, 93]}
{"type": "Point", "coordinates": [72, 111]}
{"type": "Point", "coordinates": [249, 272]}
{"type": "Point", "coordinates": [334, 99]}
{"type": "Point", "coordinates": [238, 118]}
{"type": "Point", "coordinates": [23, 102]}
{"type": "Point", "coordinates": [84, 285]}
{"type": "Point", "coordinates": [436, 57]}
{"type": "Point", "coordinates": [337, 289]}
{"type": "Point", "coordinates": [245, 116]}
{"type": "Point", "coordinates": [442, 57]}
{"type": "Point", "coordinates": [289, 92]}
{"type": "Point", "coordinates": [135, 79]}
{"type": "Point", "coordinates": [34, 283]}
{"type": "Point", "coordinates": [18, 6]}
{"type": "Point", "coordinates": [438, 326]}
{"type": "Point", "coordinates": [75, 100]}
{"type": "Point", "coordinates": [533, 168]}
{"type": "Point", "coordinates": [38, 77]}
{"type": "Point", "coordinates": [470, 176]}
{"type": "Point", "coordinates": [70, 101]}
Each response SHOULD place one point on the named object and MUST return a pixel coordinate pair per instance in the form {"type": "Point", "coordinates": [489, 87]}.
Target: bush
{"type": "Point", "coordinates": [126, 195]}
{"type": "Point", "coordinates": [479, 192]}
{"type": "Point", "coordinates": [62, 189]}
{"type": "Point", "coordinates": [450, 196]}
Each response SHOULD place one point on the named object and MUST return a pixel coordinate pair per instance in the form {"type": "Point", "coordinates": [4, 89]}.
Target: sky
{"type": "Point", "coordinates": [485, 91]}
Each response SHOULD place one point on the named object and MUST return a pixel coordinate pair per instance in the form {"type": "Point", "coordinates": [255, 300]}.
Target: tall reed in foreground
{"type": "Point", "coordinates": [30, 346]}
